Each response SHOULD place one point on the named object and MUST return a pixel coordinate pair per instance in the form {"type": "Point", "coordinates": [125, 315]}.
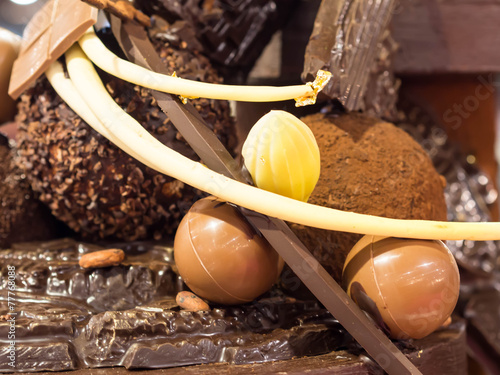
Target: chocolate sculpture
{"type": "Point", "coordinates": [106, 125]}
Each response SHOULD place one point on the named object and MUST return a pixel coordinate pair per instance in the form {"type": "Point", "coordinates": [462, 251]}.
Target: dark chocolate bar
{"type": "Point", "coordinates": [351, 39]}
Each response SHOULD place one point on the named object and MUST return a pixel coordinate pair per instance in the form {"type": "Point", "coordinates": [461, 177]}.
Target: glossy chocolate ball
{"type": "Point", "coordinates": [221, 257]}
{"type": "Point", "coordinates": [410, 287]}
{"type": "Point", "coordinates": [9, 47]}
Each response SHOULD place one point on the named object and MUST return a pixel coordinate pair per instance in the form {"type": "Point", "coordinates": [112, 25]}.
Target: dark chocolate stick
{"type": "Point", "coordinates": [136, 45]}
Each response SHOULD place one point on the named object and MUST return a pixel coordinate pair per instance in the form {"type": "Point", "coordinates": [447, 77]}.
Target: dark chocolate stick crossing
{"type": "Point", "coordinates": [135, 43]}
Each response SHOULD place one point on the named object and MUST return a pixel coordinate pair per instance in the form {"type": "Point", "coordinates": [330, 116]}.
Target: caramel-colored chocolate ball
{"type": "Point", "coordinates": [221, 257]}
{"type": "Point", "coordinates": [410, 287]}
{"type": "Point", "coordinates": [9, 48]}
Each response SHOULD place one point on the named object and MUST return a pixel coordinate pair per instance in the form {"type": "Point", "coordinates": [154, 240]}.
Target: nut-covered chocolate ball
{"type": "Point", "coordinates": [221, 257]}
{"type": "Point", "coordinates": [410, 287]}
{"type": "Point", "coordinates": [89, 183]}
{"type": "Point", "coordinates": [22, 217]}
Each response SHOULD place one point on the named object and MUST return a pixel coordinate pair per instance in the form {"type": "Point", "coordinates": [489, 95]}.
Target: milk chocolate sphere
{"type": "Point", "coordinates": [221, 257]}
{"type": "Point", "coordinates": [410, 287]}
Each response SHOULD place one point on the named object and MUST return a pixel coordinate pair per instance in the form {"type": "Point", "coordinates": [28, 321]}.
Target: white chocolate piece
{"type": "Point", "coordinates": [123, 129]}
{"type": "Point", "coordinates": [109, 62]}
{"type": "Point", "coordinates": [282, 155]}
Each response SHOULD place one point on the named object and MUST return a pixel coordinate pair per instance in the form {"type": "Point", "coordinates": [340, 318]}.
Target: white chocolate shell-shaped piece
{"type": "Point", "coordinates": [282, 155]}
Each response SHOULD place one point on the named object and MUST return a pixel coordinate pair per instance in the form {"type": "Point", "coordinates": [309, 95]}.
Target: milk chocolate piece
{"type": "Point", "coordinates": [9, 48]}
{"type": "Point", "coordinates": [275, 231]}
{"type": "Point", "coordinates": [53, 29]}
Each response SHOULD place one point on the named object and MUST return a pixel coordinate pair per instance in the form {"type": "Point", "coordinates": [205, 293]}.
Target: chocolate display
{"type": "Point", "coordinates": [158, 350]}
{"type": "Point", "coordinates": [92, 186]}
{"type": "Point", "coordinates": [371, 167]}
{"type": "Point", "coordinates": [127, 316]}
{"type": "Point", "coordinates": [274, 230]}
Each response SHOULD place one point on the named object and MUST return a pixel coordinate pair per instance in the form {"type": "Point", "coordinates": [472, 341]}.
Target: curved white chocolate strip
{"type": "Point", "coordinates": [123, 129]}
{"type": "Point", "coordinates": [66, 89]}
{"type": "Point", "coordinates": [109, 62]}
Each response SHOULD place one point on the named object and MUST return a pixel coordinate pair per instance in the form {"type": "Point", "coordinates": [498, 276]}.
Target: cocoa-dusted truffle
{"type": "Point", "coordinates": [94, 187]}
{"type": "Point", "coordinates": [370, 167]}
{"type": "Point", "coordinates": [22, 217]}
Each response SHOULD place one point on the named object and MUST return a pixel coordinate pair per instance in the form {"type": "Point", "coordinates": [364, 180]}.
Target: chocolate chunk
{"type": "Point", "coordinates": [351, 39]}
{"type": "Point", "coordinates": [53, 29]}
{"type": "Point", "coordinates": [90, 184]}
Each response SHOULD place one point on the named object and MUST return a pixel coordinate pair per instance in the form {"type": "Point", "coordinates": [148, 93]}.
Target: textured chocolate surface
{"type": "Point", "coordinates": [59, 326]}
{"type": "Point", "coordinates": [369, 167]}
{"type": "Point", "coordinates": [91, 185]}
{"type": "Point", "coordinates": [232, 33]}
{"type": "Point", "coordinates": [69, 317]}
{"type": "Point", "coordinates": [22, 216]}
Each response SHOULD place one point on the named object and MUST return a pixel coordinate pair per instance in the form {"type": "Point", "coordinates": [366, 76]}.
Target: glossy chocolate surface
{"type": "Point", "coordinates": [413, 283]}
{"type": "Point", "coordinates": [221, 257]}
{"type": "Point", "coordinates": [69, 317]}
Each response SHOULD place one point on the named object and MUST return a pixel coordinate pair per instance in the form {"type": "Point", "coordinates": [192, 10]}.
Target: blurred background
{"type": "Point", "coordinates": [14, 14]}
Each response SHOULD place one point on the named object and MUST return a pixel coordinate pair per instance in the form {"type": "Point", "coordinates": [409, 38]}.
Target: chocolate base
{"type": "Point", "coordinates": [69, 318]}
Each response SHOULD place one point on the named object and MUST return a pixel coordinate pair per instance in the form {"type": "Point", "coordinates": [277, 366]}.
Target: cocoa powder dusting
{"type": "Point", "coordinates": [369, 167]}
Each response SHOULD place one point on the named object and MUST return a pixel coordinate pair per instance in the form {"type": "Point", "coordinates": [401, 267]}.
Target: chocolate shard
{"type": "Point", "coordinates": [49, 356]}
{"type": "Point", "coordinates": [351, 39]}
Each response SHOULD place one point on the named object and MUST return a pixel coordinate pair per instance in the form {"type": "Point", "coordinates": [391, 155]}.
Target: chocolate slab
{"type": "Point", "coordinates": [67, 317]}
{"type": "Point", "coordinates": [52, 30]}
{"type": "Point", "coordinates": [57, 332]}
